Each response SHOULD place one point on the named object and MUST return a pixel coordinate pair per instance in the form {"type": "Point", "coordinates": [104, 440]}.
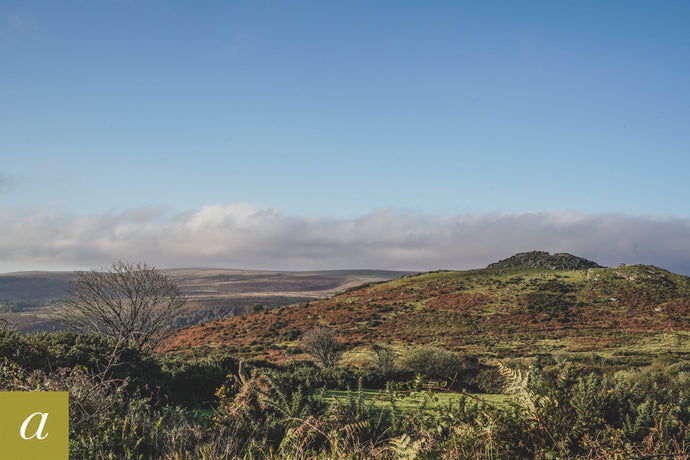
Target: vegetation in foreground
{"type": "Point", "coordinates": [137, 405]}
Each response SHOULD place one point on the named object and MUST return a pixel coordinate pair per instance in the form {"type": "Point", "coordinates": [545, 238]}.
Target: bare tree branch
{"type": "Point", "coordinates": [131, 303]}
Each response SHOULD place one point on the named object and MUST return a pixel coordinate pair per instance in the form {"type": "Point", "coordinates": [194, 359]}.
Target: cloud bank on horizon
{"type": "Point", "coordinates": [240, 235]}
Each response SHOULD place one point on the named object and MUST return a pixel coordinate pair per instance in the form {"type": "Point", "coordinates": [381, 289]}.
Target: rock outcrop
{"type": "Point", "coordinates": [543, 259]}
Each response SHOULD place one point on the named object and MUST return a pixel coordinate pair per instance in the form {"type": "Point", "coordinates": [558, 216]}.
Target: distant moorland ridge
{"type": "Point", "coordinates": [212, 293]}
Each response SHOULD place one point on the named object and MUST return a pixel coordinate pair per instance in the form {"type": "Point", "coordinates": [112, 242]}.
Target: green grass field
{"type": "Point", "coordinates": [412, 402]}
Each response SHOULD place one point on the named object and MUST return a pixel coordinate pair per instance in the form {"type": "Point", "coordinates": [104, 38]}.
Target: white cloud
{"type": "Point", "coordinates": [239, 235]}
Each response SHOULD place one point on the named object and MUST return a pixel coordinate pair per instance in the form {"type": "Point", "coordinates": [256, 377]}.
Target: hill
{"type": "Point", "coordinates": [25, 297]}
{"type": "Point", "coordinates": [503, 310]}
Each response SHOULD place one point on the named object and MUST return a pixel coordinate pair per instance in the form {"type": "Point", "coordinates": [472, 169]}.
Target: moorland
{"type": "Point", "coordinates": [536, 356]}
{"type": "Point", "coordinates": [26, 298]}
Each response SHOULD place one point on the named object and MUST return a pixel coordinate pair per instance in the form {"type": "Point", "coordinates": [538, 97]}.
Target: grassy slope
{"type": "Point", "coordinates": [493, 312]}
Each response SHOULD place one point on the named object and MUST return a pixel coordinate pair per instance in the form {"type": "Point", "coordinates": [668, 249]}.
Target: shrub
{"type": "Point", "coordinates": [440, 364]}
{"type": "Point", "coordinates": [322, 345]}
{"type": "Point", "coordinates": [384, 360]}
{"type": "Point", "coordinates": [193, 383]}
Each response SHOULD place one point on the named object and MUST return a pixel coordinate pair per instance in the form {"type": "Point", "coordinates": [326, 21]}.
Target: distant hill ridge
{"type": "Point", "coordinates": [26, 297]}
{"type": "Point", "coordinates": [543, 259]}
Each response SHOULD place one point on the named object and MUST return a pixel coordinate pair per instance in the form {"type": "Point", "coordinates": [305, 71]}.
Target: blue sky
{"type": "Point", "coordinates": [433, 116]}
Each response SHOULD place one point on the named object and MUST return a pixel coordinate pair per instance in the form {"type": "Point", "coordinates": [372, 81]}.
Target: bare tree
{"type": "Point", "coordinates": [322, 344]}
{"type": "Point", "coordinates": [131, 303]}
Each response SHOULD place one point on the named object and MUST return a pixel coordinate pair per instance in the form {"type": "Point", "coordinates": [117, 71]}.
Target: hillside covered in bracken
{"type": "Point", "coordinates": [529, 304]}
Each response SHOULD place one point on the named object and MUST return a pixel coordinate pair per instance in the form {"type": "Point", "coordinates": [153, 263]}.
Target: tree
{"type": "Point", "coordinates": [384, 359]}
{"type": "Point", "coordinates": [321, 343]}
{"type": "Point", "coordinates": [134, 304]}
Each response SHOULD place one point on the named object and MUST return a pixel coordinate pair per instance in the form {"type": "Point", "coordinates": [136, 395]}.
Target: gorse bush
{"type": "Point", "coordinates": [54, 350]}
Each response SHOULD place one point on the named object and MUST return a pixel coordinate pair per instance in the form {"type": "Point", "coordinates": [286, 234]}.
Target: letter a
{"type": "Point", "coordinates": [39, 431]}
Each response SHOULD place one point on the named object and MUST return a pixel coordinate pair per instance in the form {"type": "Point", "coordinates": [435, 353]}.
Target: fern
{"type": "Point", "coordinates": [353, 430]}
{"type": "Point", "coordinates": [298, 439]}
{"type": "Point", "coordinates": [404, 448]}
{"type": "Point", "coordinates": [517, 387]}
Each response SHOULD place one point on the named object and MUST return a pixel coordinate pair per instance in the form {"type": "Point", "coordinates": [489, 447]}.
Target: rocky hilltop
{"type": "Point", "coordinates": [543, 259]}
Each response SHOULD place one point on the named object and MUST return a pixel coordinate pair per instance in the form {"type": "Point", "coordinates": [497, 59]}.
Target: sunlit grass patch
{"type": "Point", "coordinates": [412, 402]}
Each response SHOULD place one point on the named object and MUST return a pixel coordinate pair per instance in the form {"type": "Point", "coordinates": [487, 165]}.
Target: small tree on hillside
{"type": "Point", "coordinates": [384, 359]}
{"type": "Point", "coordinates": [322, 345]}
{"type": "Point", "coordinates": [133, 304]}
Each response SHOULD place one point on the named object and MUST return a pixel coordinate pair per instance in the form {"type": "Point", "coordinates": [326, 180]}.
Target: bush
{"type": "Point", "coordinates": [443, 365]}
{"type": "Point", "coordinates": [193, 383]}
{"type": "Point", "coordinates": [322, 345]}
{"type": "Point", "coordinates": [384, 360]}
{"type": "Point", "coordinates": [53, 350]}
